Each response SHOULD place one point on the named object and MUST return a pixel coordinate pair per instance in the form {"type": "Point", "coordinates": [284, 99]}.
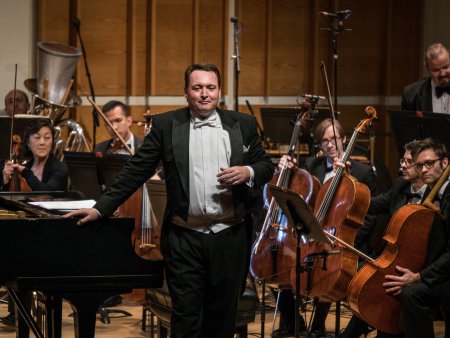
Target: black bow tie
{"type": "Point", "coordinates": [328, 168]}
{"type": "Point", "coordinates": [442, 90]}
{"type": "Point", "coordinates": [411, 195]}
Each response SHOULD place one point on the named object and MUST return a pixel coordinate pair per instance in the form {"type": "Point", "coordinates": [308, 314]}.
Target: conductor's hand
{"type": "Point", "coordinates": [233, 175]}
{"type": "Point", "coordinates": [90, 215]}
{"type": "Point", "coordinates": [287, 162]}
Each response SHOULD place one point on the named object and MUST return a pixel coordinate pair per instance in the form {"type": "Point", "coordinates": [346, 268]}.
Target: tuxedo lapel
{"type": "Point", "coordinates": [236, 142]}
{"type": "Point", "coordinates": [180, 143]}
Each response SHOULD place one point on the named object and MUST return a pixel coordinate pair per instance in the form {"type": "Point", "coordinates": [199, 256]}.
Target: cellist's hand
{"type": "Point", "coordinates": [395, 283]}
{"type": "Point", "coordinates": [287, 162]}
{"type": "Point", "coordinates": [339, 164]}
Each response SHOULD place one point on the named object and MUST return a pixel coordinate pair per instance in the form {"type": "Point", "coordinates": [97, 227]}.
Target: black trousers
{"type": "Point", "coordinates": [204, 273]}
{"type": "Point", "coordinates": [419, 305]}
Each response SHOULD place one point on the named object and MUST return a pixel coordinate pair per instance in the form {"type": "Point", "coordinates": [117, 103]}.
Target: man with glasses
{"type": "Point", "coordinates": [406, 189]}
{"type": "Point", "coordinates": [322, 168]}
{"type": "Point", "coordinates": [433, 92]}
{"type": "Point", "coordinates": [16, 101]}
{"type": "Point", "coordinates": [422, 292]}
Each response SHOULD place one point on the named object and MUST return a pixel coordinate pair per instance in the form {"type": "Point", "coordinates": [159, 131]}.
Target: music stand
{"type": "Point", "coordinates": [409, 125]}
{"type": "Point", "coordinates": [21, 122]}
{"type": "Point", "coordinates": [83, 173]}
{"type": "Point", "coordinates": [302, 219]}
{"type": "Point", "coordinates": [109, 167]}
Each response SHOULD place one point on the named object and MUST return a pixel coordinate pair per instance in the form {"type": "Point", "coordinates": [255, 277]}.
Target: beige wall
{"type": "Point", "coordinates": [16, 43]}
{"type": "Point", "coordinates": [137, 50]}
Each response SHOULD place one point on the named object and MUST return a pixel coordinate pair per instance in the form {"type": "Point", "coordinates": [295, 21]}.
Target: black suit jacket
{"type": "Point", "coordinates": [105, 146]}
{"type": "Point", "coordinates": [55, 176]}
{"type": "Point", "coordinates": [417, 96]}
{"type": "Point", "coordinates": [168, 142]}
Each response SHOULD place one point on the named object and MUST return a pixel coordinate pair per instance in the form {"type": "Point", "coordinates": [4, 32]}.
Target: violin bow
{"type": "Point", "coordinates": [11, 151]}
{"type": "Point", "coordinates": [330, 103]}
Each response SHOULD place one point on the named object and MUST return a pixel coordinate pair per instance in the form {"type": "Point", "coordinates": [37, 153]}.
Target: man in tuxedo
{"type": "Point", "coordinates": [433, 92]}
{"type": "Point", "coordinates": [120, 118]}
{"type": "Point", "coordinates": [422, 292]}
{"type": "Point", "coordinates": [406, 189]}
{"type": "Point", "coordinates": [322, 168]}
{"type": "Point", "coordinates": [212, 158]}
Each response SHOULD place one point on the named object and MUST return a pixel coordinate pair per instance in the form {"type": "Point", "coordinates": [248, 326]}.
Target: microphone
{"type": "Point", "coordinates": [313, 97]}
{"type": "Point", "coordinates": [76, 23]}
{"type": "Point", "coordinates": [342, 15]}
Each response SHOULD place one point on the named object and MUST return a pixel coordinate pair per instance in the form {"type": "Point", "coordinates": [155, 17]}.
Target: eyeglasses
{"type": "Point", "coordinates": [407, 162]}
{"type": "Point", "coordinates": [326, 141]}
{"type": "Point", "coordinates": [20, 100]}
{"type": "Point", "coordinates": [428, 164]}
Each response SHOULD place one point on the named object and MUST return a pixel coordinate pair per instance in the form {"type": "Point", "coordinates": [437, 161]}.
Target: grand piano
{"type": "Point", "coordinates": [82, 264]}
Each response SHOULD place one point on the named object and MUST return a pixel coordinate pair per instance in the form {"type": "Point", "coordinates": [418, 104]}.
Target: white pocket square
{"type": "Point", "coordinates": [246, 149]}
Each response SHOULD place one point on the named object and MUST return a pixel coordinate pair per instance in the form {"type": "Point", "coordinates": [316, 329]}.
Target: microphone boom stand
{"type": "Point", "coordinates": [95, 121]}
{"type": "Point", "coordinates": [236, 57]}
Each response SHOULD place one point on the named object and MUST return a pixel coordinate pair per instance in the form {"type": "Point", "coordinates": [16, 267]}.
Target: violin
{"type": "Point", "coordinates": [407, 246]}
{"type": "Point", "coordinates": [274, 253]}
{"type": "Point", "coordinates": [340, 208]}
{"type": "Point", "coordinates": [17, 182]}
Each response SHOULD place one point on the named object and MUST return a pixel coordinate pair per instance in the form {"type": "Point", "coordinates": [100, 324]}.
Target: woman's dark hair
{"type": "Point", "coordinates": [34, 128]}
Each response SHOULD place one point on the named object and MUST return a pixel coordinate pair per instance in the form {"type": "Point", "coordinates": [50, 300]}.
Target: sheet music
{"type": "Point", "coordinates": [64, 205]}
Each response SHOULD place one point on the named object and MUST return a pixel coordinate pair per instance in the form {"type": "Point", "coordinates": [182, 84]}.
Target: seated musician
{"type": "Point", "coordinates": [422, 292]}
{"type": "Point", "coordinates": [322, 168]}
{"type": "Point", "coordinates": [121, 119]}
{"type": "Point", "coordinates": [407, 189]}
{"type": "Point", "coordinates": [17, 101]}
{"type": "Point", "coordinates": [41, 172]}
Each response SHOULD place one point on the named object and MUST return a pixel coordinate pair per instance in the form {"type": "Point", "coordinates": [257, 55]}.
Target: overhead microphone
{"type": "Point", "coordinates": [313, 97]}
{"type": "Point", "coordinates": [342, 15]}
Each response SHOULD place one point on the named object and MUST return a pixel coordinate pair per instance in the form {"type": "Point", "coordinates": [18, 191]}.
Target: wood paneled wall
{"type": "Point", "coordinates": [141, 48]}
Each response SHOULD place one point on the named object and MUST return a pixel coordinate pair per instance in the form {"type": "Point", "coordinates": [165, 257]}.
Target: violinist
{"type": "Point", "coordinates": [407, 189]}
{"type": "Point", "coordinates": [41, 171]}
{"type": "Point", "coordinates": [422, 292]}
{"type": "Point", "coordinates": [322, 168]}
{"type": "Point", "coordinates": [121, 119]}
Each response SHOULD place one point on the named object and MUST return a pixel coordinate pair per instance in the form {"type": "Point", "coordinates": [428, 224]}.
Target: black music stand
{"type": "Point", "coordinates": [409, 125]}
{"type": "Point", "coordinates": [83, 173]}
{"type": "Point", "coordinates": [302, 219]}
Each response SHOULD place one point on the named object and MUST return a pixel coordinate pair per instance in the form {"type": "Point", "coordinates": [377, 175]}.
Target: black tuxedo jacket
{"type": "Point", "coordinates": [168, 142]}
{"type": "Point", "coordinates": [105, 146]}
{"type": "Point", "coordinates": [417, 96]}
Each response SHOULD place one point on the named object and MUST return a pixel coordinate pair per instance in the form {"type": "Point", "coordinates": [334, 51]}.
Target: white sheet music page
{"type": "Point", "coordinates": [64, 205]}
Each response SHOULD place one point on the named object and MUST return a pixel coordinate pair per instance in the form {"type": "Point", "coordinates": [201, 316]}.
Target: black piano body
{"type": "Point", "coordinates": [82, 264]}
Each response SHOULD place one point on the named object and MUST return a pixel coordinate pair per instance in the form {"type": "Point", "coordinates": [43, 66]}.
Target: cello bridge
{"type": "Point", "coordinates": [147, 246]}
{"type": "Point", "coordinates": [277, 226]}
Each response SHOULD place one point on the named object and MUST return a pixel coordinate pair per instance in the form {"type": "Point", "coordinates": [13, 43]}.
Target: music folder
{"type": "Point", "coordinates": [298, 213]}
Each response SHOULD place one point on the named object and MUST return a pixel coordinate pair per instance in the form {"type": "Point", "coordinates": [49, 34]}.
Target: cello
{"type": "Point", "coordinates": [366, 296]}
{"type": "Point", "coordinates": [340, 208]}
{"type": "Point", "coordinates": [273, 255]}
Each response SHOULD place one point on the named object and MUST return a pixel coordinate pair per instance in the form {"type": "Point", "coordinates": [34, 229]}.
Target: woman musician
{"type": "Point", "coordinates": [41, 171]}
